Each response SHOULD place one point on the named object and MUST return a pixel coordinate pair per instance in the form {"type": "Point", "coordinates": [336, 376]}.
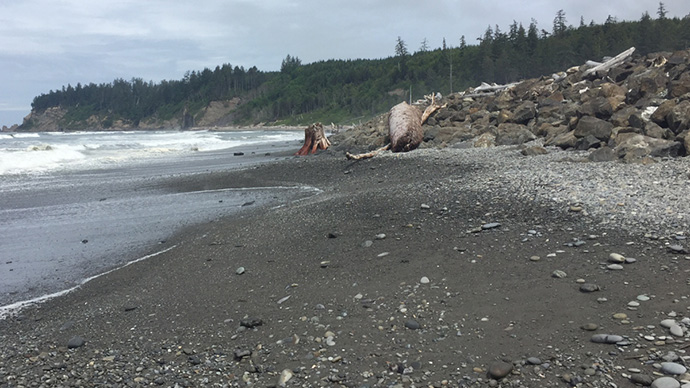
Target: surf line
{"type": "Point", "coordinates": [14, 308]}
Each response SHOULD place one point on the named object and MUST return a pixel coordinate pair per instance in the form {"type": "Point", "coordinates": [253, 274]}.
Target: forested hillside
{"type": "Point", "coordinates": [342, 91]}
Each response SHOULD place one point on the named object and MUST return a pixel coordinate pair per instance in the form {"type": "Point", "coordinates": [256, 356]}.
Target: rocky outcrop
{"type": "Point", "coordinates": [47, 120]}
{"type": "Point", "coordinates": [217, 113]}
{"type": "Point", "coordinates": [637, 110]}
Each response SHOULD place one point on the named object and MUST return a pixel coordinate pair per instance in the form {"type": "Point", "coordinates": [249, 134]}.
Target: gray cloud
{"type": "Point", "coordinates": [45, 44]}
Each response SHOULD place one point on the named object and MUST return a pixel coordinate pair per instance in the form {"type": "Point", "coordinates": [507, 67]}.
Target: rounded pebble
{"type": "Point", "coordinates": [589, 287]}
{"type": "Point", "coordinates": [641, 379]}
{"type": "Point", "coordinates": [614, 267]}
{"type": "Point", "coordinates": [412, 324]}
{"type": "Point", "coordinates": [589, 326]}
{"type": "Point", "coordinates": [534, 361]}
{"type": "Point", "coordinates": [676, 330]}
{"type": "Point", "coordinates": [606, 338]}
{"type": "Point", "coordinates": [500, 370]}
{"type": "Point", "coordinates": [75, 342]}
{"type": "Point", "coordinates": [491, 225]}
{"type": "Point", "coordinates": [665, 382]}
{"type": "Point", "coordinates": [616, 258]}
{"type": "Point", "coordinates": [559, 274]}
{"type": "Point", "coordinates": [672, 368]}
{"type": "Point", "coordinates": [424, 280]}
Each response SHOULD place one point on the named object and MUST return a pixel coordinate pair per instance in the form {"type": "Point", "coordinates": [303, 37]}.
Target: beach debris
{"type": "Point", "coordinates": [404, 130]}
{"type": "Point", "coordinates": [314, 139]}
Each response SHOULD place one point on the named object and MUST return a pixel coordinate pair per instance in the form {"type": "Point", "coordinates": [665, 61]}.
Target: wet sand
{"type": "Point", "coordinates": [58, 229]}
{"type": "Point", "coordinates": [431, 268]}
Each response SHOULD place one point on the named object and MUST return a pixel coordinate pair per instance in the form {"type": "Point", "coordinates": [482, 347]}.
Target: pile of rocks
{"type": "Point", "coordinates": [635, 111]}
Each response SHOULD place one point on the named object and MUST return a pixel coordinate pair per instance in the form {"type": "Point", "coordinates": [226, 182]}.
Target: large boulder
{"type": "Point", "coordinates": [524, 113]}
{"type": "Point", "coordinates": [659, 115]}
{"type": "Point", "coordinates": [599, 107]}
{"type": "Point", "coordinates": [680, 86]}
{"type": "Point", "coordinates": [564, 141]}
{"type": "Point", "coordinates": [512, 134]}
{"type": "Point", "coordinates": [678, 118]}
{"type": "Point", "coordinates": [633, 145]}
{"type": "Point", "coordinates": [588, 125]}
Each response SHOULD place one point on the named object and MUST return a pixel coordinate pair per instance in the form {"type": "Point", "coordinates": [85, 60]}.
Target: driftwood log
{"type": "Point", "coordinates": [404, 130]}
{"type": "Point", "coordinates": [314, 139]}
{"type": "Point", "coordinates": [433, 107]}
{"type": "Point", "coordinates": [613, 62]}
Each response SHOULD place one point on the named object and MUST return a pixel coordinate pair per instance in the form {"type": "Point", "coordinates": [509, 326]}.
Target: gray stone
{"type": "Point", "coordinates": [603, 154]}
{"type": "Point", "coordinates": [534, 361]}
{"type": "Point", "coordinates": [672, 368]}
{"type": "Point", "coordinates": [491, 225]}
{"type": "Point", "coordinates": [75, 342]}
{"type": "Point", "coordinates": [641, 379]}
{"type": "Point", "coordinates": [676, 330]}
{"type": "Point", "coordinates": [667, 323]}
{"type": "Point", "coordinates": [665, 382]}
{"type": "Point", "coordinates": [589, 287]}
{"type": "Point", "coordinates": [588, 125]}
{"type": "Point", "coordinates": [500, 370]}
{"type": "Point", "coordinates": [606, 338]}
{"type": "Point", "coordinates": [412, 324]}
{"type": "Point", "coordinates": [589, 326]}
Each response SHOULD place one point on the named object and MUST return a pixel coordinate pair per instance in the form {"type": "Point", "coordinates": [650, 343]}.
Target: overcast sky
{"type": "Point", "coordinates": [45, 44]}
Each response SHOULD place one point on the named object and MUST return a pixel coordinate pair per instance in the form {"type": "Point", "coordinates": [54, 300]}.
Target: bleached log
{"type": "Point", "coordinates": [367, 155]}
{"type": "Point", "coordinates": [486, 90]}
{"type": "Point", "coordinates": [433, 107]}
{"type": "Point", "coordinates": [404, 130]}
{"type": "Point", "coordinates": [613, 62]}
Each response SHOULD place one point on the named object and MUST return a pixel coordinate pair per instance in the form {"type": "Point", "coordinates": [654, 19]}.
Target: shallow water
{"type": "Point", "coordinates": [60, 227]}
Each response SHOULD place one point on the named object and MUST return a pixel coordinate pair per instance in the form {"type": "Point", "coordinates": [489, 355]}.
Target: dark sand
{"type": "Point", "coordinates": [339, 306]}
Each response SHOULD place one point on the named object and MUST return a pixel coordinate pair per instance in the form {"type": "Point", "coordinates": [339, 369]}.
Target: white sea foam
{"type": "Point", "coordinates": [22, 153]}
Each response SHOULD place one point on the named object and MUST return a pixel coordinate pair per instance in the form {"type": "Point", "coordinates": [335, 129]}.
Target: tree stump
{"type": "Point", "coordinates": [314, 139]}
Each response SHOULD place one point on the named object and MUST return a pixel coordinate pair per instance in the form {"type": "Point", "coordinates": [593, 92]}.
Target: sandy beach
{"type": "Point", "coordinates": [452, 267]}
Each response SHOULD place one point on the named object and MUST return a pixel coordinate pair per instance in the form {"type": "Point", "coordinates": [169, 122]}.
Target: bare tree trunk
{"type": "Point", "coordinates": [314, 139]}
{"type": "Point", "coordinates": [404, 130]}
{"type": "Point", "coordinates": [405, 127]}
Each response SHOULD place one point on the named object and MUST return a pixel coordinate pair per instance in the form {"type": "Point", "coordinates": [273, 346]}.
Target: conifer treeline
{"type": "Point", "coordinates": [341, 90]}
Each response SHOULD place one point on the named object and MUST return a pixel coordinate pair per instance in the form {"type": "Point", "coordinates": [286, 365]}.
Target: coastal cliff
{"type": "Point", "coordinates": [216, 113]}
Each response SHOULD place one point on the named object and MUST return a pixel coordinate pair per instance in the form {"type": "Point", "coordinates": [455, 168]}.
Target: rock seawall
{"type": "Point", "coordinates": [633, 112]}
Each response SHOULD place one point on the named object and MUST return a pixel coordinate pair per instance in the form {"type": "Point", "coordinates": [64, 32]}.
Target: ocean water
{"type": "Point", "coordinates": [76, 205]}
{"type": "Point", "coordinates": [22, 153]}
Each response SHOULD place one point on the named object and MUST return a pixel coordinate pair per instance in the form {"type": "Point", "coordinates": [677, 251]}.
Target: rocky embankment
{"type": "Point", "coordinates": [635, 111]}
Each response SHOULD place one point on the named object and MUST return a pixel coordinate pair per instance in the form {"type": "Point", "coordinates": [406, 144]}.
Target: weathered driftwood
{"type": "Point", "coordinates": [404, 130]}
{"type": "Point", "coordinates": [487, 90]}
{"type": "Point", "coordinates": [433, 107]}
{"type": "Point", "coordinates": [613, 62]}
{"type": "Point", "coordinates": [314, 139]}
{"type": "Point", "coordinates": [405, 127]}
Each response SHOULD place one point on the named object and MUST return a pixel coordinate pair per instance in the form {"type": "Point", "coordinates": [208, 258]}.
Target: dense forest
{"type": "Point", "coordinates": [341, 91]}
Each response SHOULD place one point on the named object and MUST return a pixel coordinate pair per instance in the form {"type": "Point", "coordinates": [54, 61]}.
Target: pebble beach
{"type": "Point", "coordinates": [457, 267]}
